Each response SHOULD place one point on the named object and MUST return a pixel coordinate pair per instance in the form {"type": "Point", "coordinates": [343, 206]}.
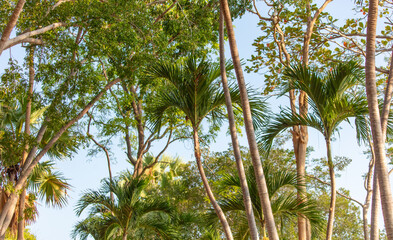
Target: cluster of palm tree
{"type": "Point", "coordinates": [192, 89]}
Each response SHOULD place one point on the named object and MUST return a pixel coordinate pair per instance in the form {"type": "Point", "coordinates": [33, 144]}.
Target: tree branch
{"type": "Point", "coordinates": [339, 193]}
{"type": "Point", "coordinates": [11, 24]}
{"type": "Point", "coordinates": [24, 36]}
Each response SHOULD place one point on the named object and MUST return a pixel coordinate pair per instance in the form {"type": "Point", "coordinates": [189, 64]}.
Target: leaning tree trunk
{"type": "Point", "coordinates": [217, 208]}
{"type": "Point", "coordinates": [256, 160]}
{"type": "Point", "coordinates": [329, 229]}
{"type": "Point", "coordinates": [376, 128]}
{"type": "Point", "coordinates": [236, 149]}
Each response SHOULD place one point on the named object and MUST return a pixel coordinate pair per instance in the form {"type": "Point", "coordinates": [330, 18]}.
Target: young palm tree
{"type": "Point", "coordinates": [282, 186]}
{"type": "Point", "coordinates": [330, 104]}
{"type": "Point", "coordinates": [193, 88]}
{"type": "Point", "coordinates": [129, 216]}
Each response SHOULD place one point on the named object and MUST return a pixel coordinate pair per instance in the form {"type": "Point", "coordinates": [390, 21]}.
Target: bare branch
{"type": "Point", "coordinates": [339, 193]}
{"type": "Point", "coordinates": [159, 154]}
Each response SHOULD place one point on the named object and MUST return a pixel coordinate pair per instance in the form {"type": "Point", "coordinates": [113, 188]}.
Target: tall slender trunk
{"type": "Point", "coordinates": [217, 208]}
{"type": "Point", "coordinates": [366, 205]}
{"type": "Point", "coordinates": [374, 229]}
{"type": "Point", "coordinates": [256, 160]}
{"type": "Point", "coordinates": [22, 197]}
{"type": "Point", "coordinates": [374, 234]}
{"type": "Point", "coordinates": [329, 229]}
{"type": "Point", "coordinates": [376, 127]}
{"type": "Point", "coordinates": [236, 149]}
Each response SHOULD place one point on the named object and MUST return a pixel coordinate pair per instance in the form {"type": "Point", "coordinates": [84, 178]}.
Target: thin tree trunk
{"type": "Point", "coordinates": [22, 197]}
{"type": "Point", "coordinates": [376, 127]}
{"type": "Point", "coordinates": [256, 160]}
{"type": "Point", "coordinates": [217, 208]}
{"type": "Point", "coordinates": [366, 205]}
{"type": "Point", "coordinates": [329, 229]}
{"type": "Point", "coordinates": [11, 24]}
{"type": "Point", "coordinates": [32, 160]}
{"type": "Point", "coordinates": [374, 228]}
{"type": "Point", "coordinates": [236, 149]}
{"type": "Point", "coordinates": [300, 134]}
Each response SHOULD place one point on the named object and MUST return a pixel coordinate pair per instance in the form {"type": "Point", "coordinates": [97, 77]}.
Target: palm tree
{"type": "Point", "coordinates": [330, 104]}
{"type": "Point", "coordinates": [130, 216]}
{"type": "Point", "coordinates": [194, 90]}
{"type": "Point", "coordinates": [282, 185]}
{"type": "Point", "coordinates": [248, 122]}
{"type": "Point", "coordinates": [233, 131]}
{"type": "Point", "coordinates": [378, 123]}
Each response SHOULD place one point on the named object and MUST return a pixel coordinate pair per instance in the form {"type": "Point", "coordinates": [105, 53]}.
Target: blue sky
{"type": "Point", "coordinates": [85, 172]}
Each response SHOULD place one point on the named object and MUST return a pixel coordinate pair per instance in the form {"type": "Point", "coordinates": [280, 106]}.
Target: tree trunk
{"type": "Point", "coordinates": [329, 229]}
{"type": "Point", "coordinates": [236, 149]}
{"type": "Point", "coordinates": [22, 197]}
{"type": "Point", "coordinates": [11, 24]}
{"type": "Point", "coordinates": [217, 208]}
{"type": "Point", "coordinates": [32, 160]}
{"type": "Point", "coordinates": [374, 229]}
{"type": "Point", "coordinates": [376, 127]}
{"type": "Point", "coordinates": [374, 235]}
{"type": "Point", "coordinates": [256, 160]}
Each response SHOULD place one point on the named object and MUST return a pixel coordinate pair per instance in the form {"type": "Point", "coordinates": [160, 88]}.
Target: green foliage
{"type": "Point", "coordinates": [49, 185]}
{"type": "Point", "coordinates": [127, 214]}
{"type": "Point", "coordinates": [194, 90]}
{"type": "Point", "coordinates": [282, 186]}
{"type": "Point", "coordinates": [27, 235]}
{"type": "Point", "coordinates": [330, 98]}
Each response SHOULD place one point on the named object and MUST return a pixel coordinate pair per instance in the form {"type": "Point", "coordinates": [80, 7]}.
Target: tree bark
{"type": "Point", "coordinates": [376, 127]}
{"type": "Point", "coordinates": [329, 229]}
{"type": "Point", "coordinates": [256, 160]}
{"type": "Point", "coordinates": [22, 197]}
{"type": "Point", "coordinates": [217, 208]}
{"type": "Point", "coordinates": [369, 188]}
{"type": "Point", "coordinates": [235, 144]}
{"type": "Point", "coordinates": [32, 160]}
{"type": "Point", "coordinates": [374, 235]}
{"type": "Point", "coordinates": [300, 134]}
{"type": "Point", "coordinates": [374, 229]}
{"type": "Point", "coordinates": [11, 24]}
